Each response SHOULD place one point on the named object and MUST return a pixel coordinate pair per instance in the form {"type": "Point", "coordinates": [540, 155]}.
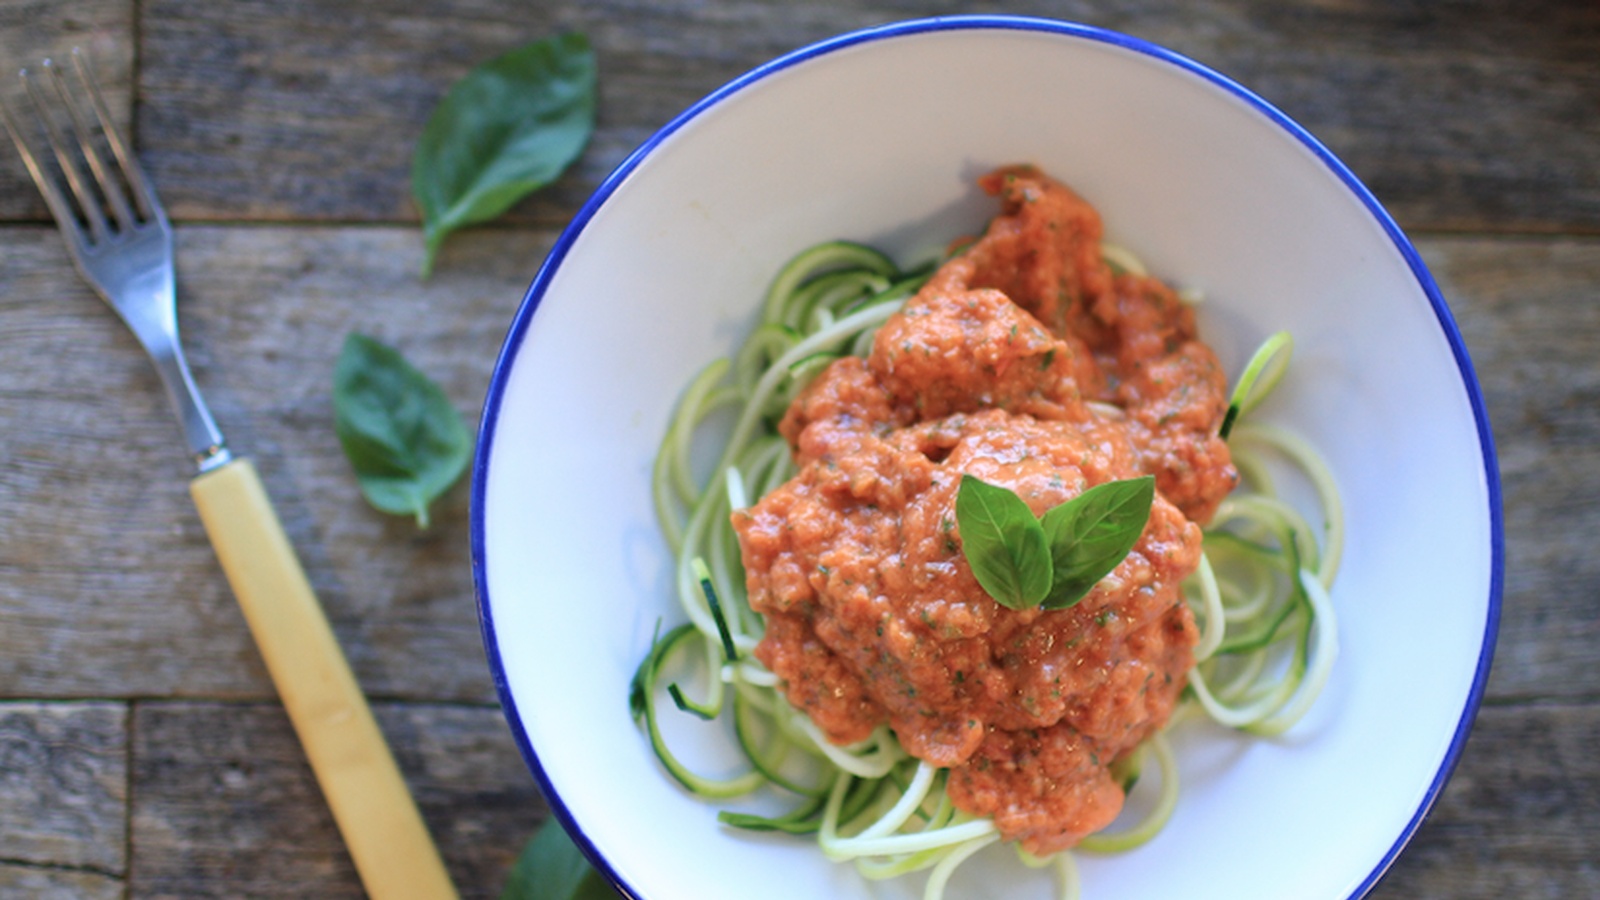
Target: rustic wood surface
{"type": "Point", "coordinates": [142, 754]}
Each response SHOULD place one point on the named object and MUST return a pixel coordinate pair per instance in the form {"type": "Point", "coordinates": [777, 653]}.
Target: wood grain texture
{"type": "Point", "coordinates": [225, 806]}
{"type": "Point", "coordinates": [1521, 816]}
{"type": "Point", "coordinates": [34, 30]}
{"type": "Point", "coordinates": [63, 787]}
{"type": "Point", "coordinates": [1462, 116]}
{"type": "Point", "coordinates": [141, 752]}
{"type": "Point", "coordinates": [57, 884]}
{"type": "Point", "coordinates": [1527, 311]}
{"type": "Point", "coordinates": [95, 483]}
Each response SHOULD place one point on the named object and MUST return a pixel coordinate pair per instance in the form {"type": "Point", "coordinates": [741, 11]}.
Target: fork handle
{"type": "Point", "coordinates": [382, 829]}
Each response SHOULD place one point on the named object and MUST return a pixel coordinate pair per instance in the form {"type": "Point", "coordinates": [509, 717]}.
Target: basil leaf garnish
{"type": "Point", "coordinates": [1003, 543]}
{"type": "Point", "coordinates": [506, 129]}
{"type": "Point", "coordinates": [1092, 533]}
{"type": "Point", "coordinates": [402, 436]}
{"type": "Point", "coordinates": [551, 867]}
{"type": "Point", "coordinates": [1055, 560]}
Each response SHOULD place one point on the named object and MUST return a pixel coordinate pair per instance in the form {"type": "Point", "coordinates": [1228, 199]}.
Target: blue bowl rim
{"type": "Point", "coordinates": [520, 323]}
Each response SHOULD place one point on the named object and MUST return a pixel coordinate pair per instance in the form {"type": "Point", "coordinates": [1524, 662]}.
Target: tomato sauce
{"type": "Point", "coordinates": [1028, 362]}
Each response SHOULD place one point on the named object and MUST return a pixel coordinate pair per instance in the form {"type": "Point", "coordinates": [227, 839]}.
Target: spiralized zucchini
{"type": "Point", "coordinates": [1260, 596]}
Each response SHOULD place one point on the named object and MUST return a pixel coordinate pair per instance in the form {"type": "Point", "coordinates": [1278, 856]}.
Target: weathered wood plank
{"type": "Point", "coordinates": [63, 790]}
{"type": "Point", "coordinates": [32, 30]}
{"type": "Point", "coordinates": [1460, 116]}
{"type": "Point", "coordinates": [58, 884]}
{"type": "Point", "coordinates": [1521, 817]}
{"type": "Point", "coordinates": [266, 310]}
{"type": "Point", "coordinates": [225, 806]}
{"type": "Point", "coordinates": [94, 488]}
{"type": "Point", "coordinates": [1527, 311]}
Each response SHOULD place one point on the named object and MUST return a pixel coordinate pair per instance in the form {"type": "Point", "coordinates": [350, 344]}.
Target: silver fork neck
{"type": "Point", "coordinates": [154, 321]}
{"type": "Point", "coordinates": [205, 442]}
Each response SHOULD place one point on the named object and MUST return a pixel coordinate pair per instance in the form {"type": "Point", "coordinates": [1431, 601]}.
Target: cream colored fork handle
{"type": "Point", "coordinates": [381, 826]}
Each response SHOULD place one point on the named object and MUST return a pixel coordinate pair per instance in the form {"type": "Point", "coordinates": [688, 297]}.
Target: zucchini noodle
{"type": "Point", "coordinates": [1260, 595]}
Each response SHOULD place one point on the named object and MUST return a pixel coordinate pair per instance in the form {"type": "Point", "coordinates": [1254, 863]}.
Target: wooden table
{"type": "Point", "coordinates": [142, 753]}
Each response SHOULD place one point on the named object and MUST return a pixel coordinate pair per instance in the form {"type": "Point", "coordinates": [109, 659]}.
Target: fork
{"type": "Point", "coordinates": [121, 242]}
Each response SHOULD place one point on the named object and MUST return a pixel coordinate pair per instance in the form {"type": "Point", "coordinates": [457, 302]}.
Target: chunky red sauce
{"type": "Point", "coordinates": [1025, 361]}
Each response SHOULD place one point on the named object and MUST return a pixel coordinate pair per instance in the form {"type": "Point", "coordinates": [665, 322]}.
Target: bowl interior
{"type": "Point", "coordinates": [878, 137]}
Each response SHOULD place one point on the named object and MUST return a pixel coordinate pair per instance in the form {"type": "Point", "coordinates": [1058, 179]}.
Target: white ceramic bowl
{"type": "Point", "coordinates": [877, 136]}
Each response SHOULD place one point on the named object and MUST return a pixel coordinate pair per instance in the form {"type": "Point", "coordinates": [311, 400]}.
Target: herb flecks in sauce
{"type": "Point", "coordinates": [1056, 559]}
{"type": "Point", "coordinates": [1024, 363]}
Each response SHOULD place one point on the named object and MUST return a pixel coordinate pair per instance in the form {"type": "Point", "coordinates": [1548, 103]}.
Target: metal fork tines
{"type": "Point", "coordinates": [115, 229]}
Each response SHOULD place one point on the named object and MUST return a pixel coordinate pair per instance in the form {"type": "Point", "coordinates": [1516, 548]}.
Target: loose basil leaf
{"type": "Point", "coordinates": [1004, 544]}
{"type": "Point", "coordinates": [508, 128]}
{"type": "Point", "coordinates": [402, 436]}
{"type": "Point", "coordinates": [1091, 534]}
{"type": "Point", "coordinates": [551, 867]}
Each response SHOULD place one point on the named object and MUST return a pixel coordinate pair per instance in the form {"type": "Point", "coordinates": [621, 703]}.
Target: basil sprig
{"type": "Point", "coordinates": [1055, 560]}
{"type": "Point", "coordinates": [399, 431]}
{"type": "Point", "coordinates": [506, 129]}
{"type": "Point", "coordinates": [551, 867]}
